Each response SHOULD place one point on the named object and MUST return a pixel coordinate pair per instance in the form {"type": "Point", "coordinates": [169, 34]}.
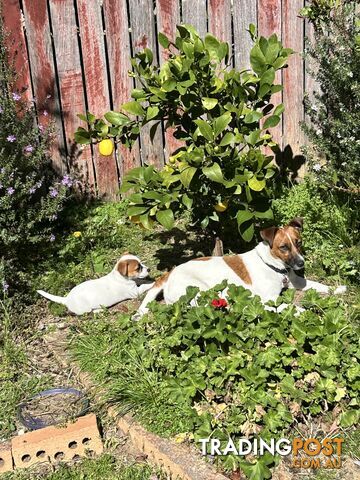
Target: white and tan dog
{"type": "Point", "coordinates": [116, 286]}
{"type": "Point", "coordinates": [265, 271]}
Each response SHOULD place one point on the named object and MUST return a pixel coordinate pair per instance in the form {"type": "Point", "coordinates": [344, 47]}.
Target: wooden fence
{"type": "Point", "coordinates": [74, 55]}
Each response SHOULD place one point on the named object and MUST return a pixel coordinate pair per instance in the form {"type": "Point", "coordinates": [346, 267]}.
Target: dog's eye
{"type": "Point", "coordinates": [284, 248]}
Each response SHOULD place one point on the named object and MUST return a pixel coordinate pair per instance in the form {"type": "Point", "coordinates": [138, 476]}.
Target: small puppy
{"type": "Point", "coordinates": [116, 286]}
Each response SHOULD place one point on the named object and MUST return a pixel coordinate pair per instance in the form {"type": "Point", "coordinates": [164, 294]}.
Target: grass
{"type": "Point", "coordinates": [105, 467]}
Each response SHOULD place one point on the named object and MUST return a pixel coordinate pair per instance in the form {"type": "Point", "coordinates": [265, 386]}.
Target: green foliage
{"type": "Point", "coordinates": [240, 374]}
{"type": "Point", "coordinates": [334, 129]}
{"type": "Point", "coordinates": [220, 115]}
{"type": "Point", "coordinates": [330, 234]}
{"type": "Point", "coordinates": [31, 195]}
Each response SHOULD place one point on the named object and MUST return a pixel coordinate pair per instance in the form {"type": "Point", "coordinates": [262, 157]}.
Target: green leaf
{"type": "Point", "coordinates": [186, 176]}
{"type": "Point", "coordinates": [169, 85]}
{"type": "Point", "coordinates": [187, 201]}
{"type": "Point", "coordinates": [212, 44]}
{"type": "Point", "coordinates": [205, 129]}
{"type": "Point", "coordinates": [279, 109]}
{"type": "Point", "coordinates": [349, 418]}
{"type": "Point", "coordinates": [166, 218]}
{"type": "Point", "coordinates": [136, 210]}
{"type": "Point", "coordinates": [133, 107]}
{"type": "Point", "coordinates": [243, 216]}
{"type": "Point", "coordinates": [220, 123]}
{"type": "Point", "coordinates": [252, 117]}
{"type": "Point", "coordinates": [268, 77]}
{"type": "Point", "coordinates": [227, 139]}
{"type": "Point", "coordinates": [271, 121]}
{"type": "Point", "coordinates": [163, 40]}
{"type": "Point", "coordinates": [257, 60]}
{"type": "Point", "coordinates": [138, 93]}
{"type": "Point", "coordinates": [267, 214]}
{"type": "Point", "coordinates": [152, 112]}
{"type": "Point", "coordinates": [82, 136]}
{"type": "Point", "coordinates": [256, 471]}
{"type": "Point", "coordinates": [209, 103]}
{"type": "Point", "coordinates": [214, 173]}
{"type": "Point", "coordinates": [116, 118]}
{"type": "Point", "coordinates": [256, 185]}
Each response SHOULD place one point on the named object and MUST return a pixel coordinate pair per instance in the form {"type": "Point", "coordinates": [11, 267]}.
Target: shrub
{"type": "Point", "coordinates": [220, 173]}
{"type": "Point", "coordinates": [31, 195]}
{"type": "Point", "coordinates": [239, 372]}
{"type": "Point", "coordinates": [334, 128]}
{"type": "Point", "coordinates": [330, 234]}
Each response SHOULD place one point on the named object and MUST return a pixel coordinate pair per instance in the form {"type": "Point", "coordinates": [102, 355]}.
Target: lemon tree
{"type": "Point", "coordinates": [223, 116]}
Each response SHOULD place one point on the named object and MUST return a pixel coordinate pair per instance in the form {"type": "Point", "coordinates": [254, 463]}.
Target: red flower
{"type": "Point", "coordinates": [219, 303]}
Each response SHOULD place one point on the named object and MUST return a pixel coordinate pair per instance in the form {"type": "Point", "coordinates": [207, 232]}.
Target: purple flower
{"type": "Point", "coordinates": [53, 192]}
{"type": "Point", "coordinates": [10, 190]}
{"type": "Point", "coordinates": [67, 181]}
{"type": "Point", "coordinates": [16, 96]}
{"type": "Point", "coordinates": [1, 109]}
{"type": "Point", "coordinates": [29, 149]}
{"type": "Point", "coordinates": [1, 185]}
{"type": "Point", "coordinates": [48, 96]}
{"type": "Point", "coordinates": [11, 138]}
{"type": "Point", "coordinates": [32, 189]}
{"type": "Point", "coordinates": [5, 286]}
{"type": "Point", "coordinates": [45, 113]}
{"type": "Point", "coordinates": [39, 183]}
{"type": "Point", "coordinates": [41, 127]}
{"type": "Point", "coordinates": [52, 238]}
{"type": "Point", "coordinates": [2, 171]}
{"type": "Point", "coordinates": [53, 217]}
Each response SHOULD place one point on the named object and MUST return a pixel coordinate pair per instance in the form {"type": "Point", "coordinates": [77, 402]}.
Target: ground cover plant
{"type": "Point", "coordinates": [229, 370]}
{"type": "Point", "coordinates": [222, 116]}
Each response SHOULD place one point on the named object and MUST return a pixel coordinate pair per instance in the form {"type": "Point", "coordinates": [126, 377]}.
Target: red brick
{"type": "Point", "coordinates": [6, 460]}
{"type": "Point", "coordinates": [57, 443]}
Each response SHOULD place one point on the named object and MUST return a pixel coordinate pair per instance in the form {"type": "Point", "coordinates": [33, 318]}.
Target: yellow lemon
{"type": "Point", "coordinates": [106, 147]}
{"type": "Point", "coordinates": [77, 234]}
{"type": "Point", "coordinates": [135, 219]}
{"type": "Point", "coordinates": [221, 206]}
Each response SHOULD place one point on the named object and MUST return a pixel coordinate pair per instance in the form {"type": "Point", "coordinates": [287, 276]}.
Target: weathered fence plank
{"type": "Point", "coordinates": [17, 48]}
{"type": "Point", "coordinates": [293, 77]}
{"type": "Point", "coordinates": [244, 13]}
{"type": "Point", "coordinates": [168, 16]}
{"type": "Point", "coordinates": [144, 36]}
{"type": "Point", "coordinates": [269, 22]}
{"type": "Point", "coordinates": [219, 12]}
{"type": "Point", "coordinates": [118, 45]}
{"type": "Point", "coordinates": [97, 89]}
{"type": "Point", "coordinates": [194, 12]}
{"type": "Point", "coordinates": [71, 87]}
{"type": "Point", "coordinates": [43, 75]}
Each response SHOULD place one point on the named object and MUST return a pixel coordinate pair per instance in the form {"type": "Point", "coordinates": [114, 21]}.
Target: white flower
{"type": "Point", "coordinates": [318, 131]}
{"type": "Point", "coordinates": [350, 74]}
{"type": "Point", "coordinates": [317, 167]}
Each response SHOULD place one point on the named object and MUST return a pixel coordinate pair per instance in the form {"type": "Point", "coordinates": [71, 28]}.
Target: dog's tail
{"type": "Point", "coordinates": [53, 298]}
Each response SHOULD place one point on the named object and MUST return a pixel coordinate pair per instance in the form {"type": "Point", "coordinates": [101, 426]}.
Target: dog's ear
{"type": "Point", "coordinates": [297, 222]}
{"type": "Point", "coordinates": [268, 235]}
{"type": "Point", "coordinates": [123, 267]}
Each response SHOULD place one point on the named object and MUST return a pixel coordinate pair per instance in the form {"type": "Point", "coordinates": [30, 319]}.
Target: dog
{"type": "Point", "coordinates": [116, 286]}
{"type": "Point", "coordinates": [266, 270]}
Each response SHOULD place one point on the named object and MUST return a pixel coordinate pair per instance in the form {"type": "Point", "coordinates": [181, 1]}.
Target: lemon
{"type": "Point", "coordinates": [106, 147]}
{"type": "Point", "coordinates": [221, 206]}
{"type": "Point", "coordinates": [135, 219]}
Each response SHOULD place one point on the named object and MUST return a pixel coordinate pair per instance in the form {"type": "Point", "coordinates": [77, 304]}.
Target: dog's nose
{"type": "Point", "coordinates": [300, 263]}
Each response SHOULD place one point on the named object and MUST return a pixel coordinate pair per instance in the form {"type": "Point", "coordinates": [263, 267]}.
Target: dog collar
{"type": "Point", "coordinates": [283, 271]}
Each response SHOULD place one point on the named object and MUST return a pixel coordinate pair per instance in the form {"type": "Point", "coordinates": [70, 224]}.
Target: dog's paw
{"type": "Point", "coordinates": [340, 290]}
{"type": "Point", "coordinates": [136, 317]}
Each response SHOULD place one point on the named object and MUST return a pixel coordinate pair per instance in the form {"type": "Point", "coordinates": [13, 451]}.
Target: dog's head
{"type": "Point", "coordinates": [285, 243]}
{"type": "Point", "coordinates": [130, 266]}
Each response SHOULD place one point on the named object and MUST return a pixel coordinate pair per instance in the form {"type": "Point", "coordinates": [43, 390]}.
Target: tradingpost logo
{"type": "Point", "coordinates": [306, 453]}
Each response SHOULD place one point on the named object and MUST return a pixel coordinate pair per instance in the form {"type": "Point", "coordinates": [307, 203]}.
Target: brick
{"type": "Point", "coordinates": [56, 444]}
{"type": "Point", "coordinates": [177, 460]}
{"type": "Point", "coordinates": [6, 460]}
